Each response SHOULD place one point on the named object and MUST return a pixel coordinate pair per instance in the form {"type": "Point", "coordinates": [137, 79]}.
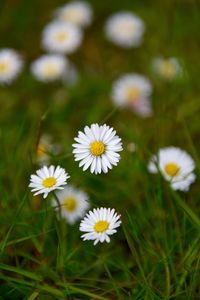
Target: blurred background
{"type": "Point", "coordinates": [148, 257]}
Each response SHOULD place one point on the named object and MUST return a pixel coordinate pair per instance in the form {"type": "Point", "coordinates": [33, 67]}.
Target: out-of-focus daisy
{"type": "Point", "coordinates": [76, 12]}
{"type": "Point", "coordinates": [44, 147]}
{"type": "Point", "coordinates": [10, 65]}
{"type": "Point", "coordinates": [168, 69]}
{"type": "Point", "coordinates": [97, 147]}
{"type": "Point", "coordinates": [61, 37]}
{"type": "Point", "coordinates": [48, 179]}
{"type": "Point", "coordinates": [49, 67]}
{"type": "Point", "coordinates": [132, 147]}
{"type": "Point", "coordinates": [73, 203]}
{"type": "Point", "coordinates": [125, 29]}
{"type": "Point", "coordinates": [175, 165]}
{"type": "Point", "coordinates": [133, 91]}
{"type": "Point", "coordinates": [99, 224]}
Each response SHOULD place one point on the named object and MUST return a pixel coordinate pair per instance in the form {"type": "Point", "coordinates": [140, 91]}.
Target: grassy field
{"type": "Point", "coordinates": [156, 252]}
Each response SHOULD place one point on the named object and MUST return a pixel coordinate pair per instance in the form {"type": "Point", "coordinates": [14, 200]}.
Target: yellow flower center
{"type": "Point", "coordinates": [101, 226]}
{"type": "Point", "coordinates": [172, 169]}
{"type": "Point", "coordinates": [72, 15]}
{"type": "Point", "coordinates": [61, 36]}
{"type": "Point", "coordinates": [49, 69]}
{"type": "Point", "coordinates": [49, 182]}
{"type": "Point", "coordinates": [133, 94]}
{"type": "Point", "coordinates": [97, 148]}
{"type": "Point", "coordinates": [167, 69]}
{"type": "Point", "coordinates": [70, 204]}
{"type": "Point", "coordinates": [42, 150]}
{"type": "Point", "coordinates": [125, 27]}
{"type": "Point", "coordinates": [4, 67]}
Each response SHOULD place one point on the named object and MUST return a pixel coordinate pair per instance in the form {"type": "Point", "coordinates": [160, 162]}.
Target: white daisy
{"type": "Point", "coordinates": [47, 180]}
{"type": "Point", "coordinates": [175, 165]}
{"type": "Point", "coordinates": [76, 12]}
{"type": "Point", "coordinates": [97, 148]}
{"type": "Point", "coordinates": [168, 69]}
{"type": "Point", "coordinates": [61, 37]}
{"type": "Point", "coordinates": [133, 91]}
{"type": "Point", "coordinates": [10, 65]}
{"type": "Point", "coordinates": [125, 29]}
{"type": "Point", "coordinates": [73, 202]}
{"type": "Point", "coordinates": [99, 224]}
{"type": "Point", "coordinates": [49, 67]}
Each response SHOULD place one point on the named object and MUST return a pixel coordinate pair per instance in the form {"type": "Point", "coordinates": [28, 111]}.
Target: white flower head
{"type": "Point", "coordinates": [49, 67]}
{"type": "Point", "coordinates": [99, 224]}
{"type": "Point", "coordinates": [133, 91]}
{"type": "Point", "coordinates": [10, 65]}
{"type": "Point", "coordinates": [175, 165]}
{"type": "Point", "coordinates": [48, 179]}
{"type": "Point", "coordinates": [76, 12]}
{"type": "Point", "coordinates": [61, 37]}
{"type": "Point", "coordinates": [97, 147]}
{"type": "Point", "coordinates": [167, 69]}
{"type": "Point", "coordinates": [125, 29]}
{"type": "Point", "coordinates": [73, 202]}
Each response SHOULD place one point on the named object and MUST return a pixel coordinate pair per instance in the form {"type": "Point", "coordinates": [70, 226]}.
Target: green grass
{"type": "Point", "coordinates": [156, 252]}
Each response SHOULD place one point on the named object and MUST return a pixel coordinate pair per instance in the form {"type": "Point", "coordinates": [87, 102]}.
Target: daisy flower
{"type": "Point", "coordinates": [10, 65]}
{"type": "Point", "coordinates": [99, 224]}
{"type": "Point", "coordinates": [73, 202]}
{"type": "Point", "coordinates": [48, 179]}
{"type": "Point", "coordinates": [175, 165]}
{"type": "Point", "coordinates": [49, 67]}
{"type": "Point", "coordinates": [97, 147]}
{"type": "Point", "coordinates": [76, 12]}
{"type": "Point", "coordinates": [61, 37]}
{"type": "Point", "coordinates": [168, 69]}
{"type": "Point", "coordinates": [43, 149]}
{"type": "Point", "coordinates": [125, 29]}
{"type": "Point", "coordinates": [133, 91]}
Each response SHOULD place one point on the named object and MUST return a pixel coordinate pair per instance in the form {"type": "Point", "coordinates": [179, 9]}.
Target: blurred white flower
{"type": "Point", "coordinates": [132, 147]}
{"type": "Point", "coordinates": [99, 224]}
{"type": "Point", "coordinates": [125, 29]}
{"type": "Point", "coordinates": [97, 148]}
{"type": "Point", "coordinates": [175, 165]}
{"type": "Point", "coordinates": [61, 37]}
{"type": "Point", "coordinates": [167, 69]}
{"type": "Point", "coordinates": [10, 65]}
{"type": "Point", "coordinates": [133, 91]}
{"type": "Point", "coordinates": [43, 149]}
{"type": "Point", "coordinates": [73, 203]}
{"type": "Point", "coordinates": [76, 12]}
{"type": "Point", "coordinates": [49, 67]}
{"type": "Point", "coordinates": [48, 179]}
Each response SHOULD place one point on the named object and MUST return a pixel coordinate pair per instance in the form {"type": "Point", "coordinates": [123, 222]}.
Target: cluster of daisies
{"type": "Point", "coordinates": [64, 35]}
{"type": "Point", "coordinates": [97, 149]}
{"type": "Point", "coordinates": [61, 37]}
{"type": "Point", "coordinates": [133, 90]}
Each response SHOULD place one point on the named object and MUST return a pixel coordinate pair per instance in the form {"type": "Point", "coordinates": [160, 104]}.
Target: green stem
{"type": "Point", "coordinates": [61, 237]}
